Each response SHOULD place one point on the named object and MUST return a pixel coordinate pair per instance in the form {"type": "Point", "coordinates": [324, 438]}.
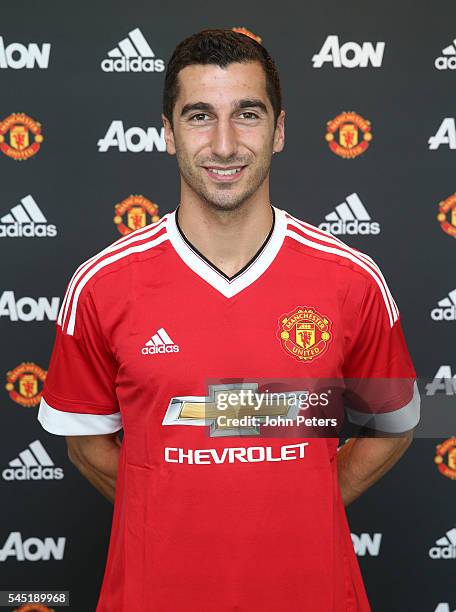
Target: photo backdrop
{"type": "Point", "coordinates": [369, 95]}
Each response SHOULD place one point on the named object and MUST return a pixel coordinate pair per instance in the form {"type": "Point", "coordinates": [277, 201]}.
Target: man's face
{"type": "Point", "coordinates": [223, 121]}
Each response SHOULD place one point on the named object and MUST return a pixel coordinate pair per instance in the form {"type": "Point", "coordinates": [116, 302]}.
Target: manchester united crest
{"type": "Point", "coordinates": [348, 135]}
{"type": "Point", "coordinates": [135, 212]}
{"type": "Point", "coordinates": [33, 608]}
{"type": "Point", "coordinates": [304, 333]}
{"type": "Point", "coordinates": [447, 215]}
{"type": "Point", "coordinates": [24, 384]}
{"type": "Point", "coordinates": [248, 33]}
{"type": "Point", "coordinates": [445, 458]}
{"type": "Point", "coordinates": [20, 136]}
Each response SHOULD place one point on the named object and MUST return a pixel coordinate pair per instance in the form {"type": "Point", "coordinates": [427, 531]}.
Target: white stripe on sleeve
{"type": "Point", "coordinates": [396, 421]}
{"type": "Point", "coordinates": [75, 423]}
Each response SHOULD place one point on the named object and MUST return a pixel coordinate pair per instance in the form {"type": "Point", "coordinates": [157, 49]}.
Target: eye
{"type": "Point", "coordinates": [194, 117]}
{"type": "Point", "coordinates": [252, 115]}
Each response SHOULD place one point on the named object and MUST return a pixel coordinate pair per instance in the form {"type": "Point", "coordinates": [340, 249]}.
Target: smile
{"type": "Point", "coordinates": [228, 174]}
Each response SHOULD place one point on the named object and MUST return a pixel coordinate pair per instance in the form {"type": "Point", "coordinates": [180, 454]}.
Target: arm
{"type": "Point", "coordinates": [363, 461]}
{"type": "Point", "coordinates": [97, 458]}
{"type": "Point", "coordinates": [381, 394]}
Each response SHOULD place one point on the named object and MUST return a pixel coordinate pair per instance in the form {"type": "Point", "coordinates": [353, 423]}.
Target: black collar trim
{"type": "Point", "coordinates": [209, 263]}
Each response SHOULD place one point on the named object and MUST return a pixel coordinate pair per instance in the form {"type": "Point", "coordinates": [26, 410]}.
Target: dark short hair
{"type": "Point", "coordinates": [220, 47]}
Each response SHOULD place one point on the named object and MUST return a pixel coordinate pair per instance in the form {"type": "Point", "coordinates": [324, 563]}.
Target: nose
{"type": "Point", "coordinates": [224, 143]}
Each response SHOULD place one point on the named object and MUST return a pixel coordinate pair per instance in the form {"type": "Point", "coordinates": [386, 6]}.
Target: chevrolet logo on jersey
{"type": "Point", "coordinates": [233, 409]}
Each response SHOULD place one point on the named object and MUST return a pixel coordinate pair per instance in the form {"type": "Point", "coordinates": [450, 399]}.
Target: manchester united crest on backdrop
{"type": "Point", "coordinates": [24, 384]}
{"type": "Point", "coordinates": [135, 212]}
{"type": "Point", "coordinates": [445, 458]}
{"type": "Point", "coordinates": [348, 135]}
{"type": "Point", "coordinates": [247, 32]}
{"type": "Point", "coordinates": [20, 136]}
{"type": "Point", "coordinates": [447, 215]}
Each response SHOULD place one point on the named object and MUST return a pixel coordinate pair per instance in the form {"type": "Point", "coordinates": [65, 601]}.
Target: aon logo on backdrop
{"type": "Point", "coordinates": [443, 382]}
{"type": "Point", "coordinates": [445, 135]}
{"type": "Point", "coordinates": [349, 54]}
{"type": "Point", "coordinates": [134, 140]}
{"type": "Point", "coordinates": [32, 549]}
{"type": "Point", "coordinates": [27, 308]}
{"type": "Point", "coordinates": [17, 56]}
{"type": "Point", "coordinates": [367, 544]}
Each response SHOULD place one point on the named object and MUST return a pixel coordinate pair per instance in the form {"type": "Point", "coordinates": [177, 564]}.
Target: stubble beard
{"type": "Point", "coordinates": [224, 197]}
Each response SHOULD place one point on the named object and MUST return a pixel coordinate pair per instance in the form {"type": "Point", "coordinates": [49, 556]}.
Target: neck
{"type": "Point", "coordinates": [228, 239]}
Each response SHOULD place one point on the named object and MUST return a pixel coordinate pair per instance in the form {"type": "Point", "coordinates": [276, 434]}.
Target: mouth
{"type": "Point", "coordinates": [224, 175]}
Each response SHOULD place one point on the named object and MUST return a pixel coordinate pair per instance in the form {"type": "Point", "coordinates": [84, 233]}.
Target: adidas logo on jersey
{"type": "Point", "coordinates": [17, 56]}
{"type": "Point", "coordinates": [446, 310]}
{"type": "Point", "coordinates": [134, 140]}
{"type": "Point", "coordinates": [159, 343]}
{"type": "Point", "coordinates": [445, 547]}
{"type": "Point", "coordinates": [25, 220]}
{"type": "Point", "coordinates": [350, 217]}
{"type": "Point", "coordinates": [349, 55]}
{"type": "Point", "coordinates": [447, 61]}
{"type": "Point", "coordinates": [132, 54]}
{"type": "Point", "coordinates": [33, 463]}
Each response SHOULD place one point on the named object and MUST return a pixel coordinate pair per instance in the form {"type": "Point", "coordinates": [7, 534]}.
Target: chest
{"type": "Point", "coordinates": [184, 335]}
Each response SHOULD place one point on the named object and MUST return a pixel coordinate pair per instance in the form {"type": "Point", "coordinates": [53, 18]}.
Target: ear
{"type": "Point", "coordinates": [169, 136]}
{"type": "Point", "coordinates": [279, 133]}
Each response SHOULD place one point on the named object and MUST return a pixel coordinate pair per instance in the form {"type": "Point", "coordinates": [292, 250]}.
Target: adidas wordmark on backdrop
{"type": "Point", "coordinates": [350, 217]}
{"type": "Point", "coordinates": [132, 54]}
{"type": "Point", "coordinates": [33, 463]}
{"type": "Point", "coordinates": [445, 547]}
{"type": "Point", "coordinates": [209, 519]}
{"type": "Point", "coordinates": [447, 61]}
{"type": "Point", "coordinates": [446, 308]}
{"type": "Point", "coordinates": [26, 220]}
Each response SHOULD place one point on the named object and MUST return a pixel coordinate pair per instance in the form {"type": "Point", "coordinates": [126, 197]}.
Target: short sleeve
{"type": "Point", "coordinates": [380, 379]}
{"type": "Point", "coordinates": [79, 395]}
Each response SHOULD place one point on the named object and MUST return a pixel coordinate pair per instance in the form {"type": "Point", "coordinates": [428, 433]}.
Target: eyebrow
{"type": "Point", "coordinates": [237, 105]}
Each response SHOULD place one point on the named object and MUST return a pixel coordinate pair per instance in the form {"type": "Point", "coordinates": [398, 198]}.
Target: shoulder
{"type": "Point", "coordinates": [311, 241]}
{"type": "Point", "coordinates": [334, 257]}
{"type": "Point", "coordinates": [114, 258]}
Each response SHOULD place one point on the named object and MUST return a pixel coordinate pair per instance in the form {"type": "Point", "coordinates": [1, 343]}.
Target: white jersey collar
{"type": "Point", "coordinates": [229, 287]}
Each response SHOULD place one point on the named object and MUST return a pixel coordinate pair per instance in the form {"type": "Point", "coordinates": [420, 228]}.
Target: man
{"type": "Point", "coordinates": [223, 294]}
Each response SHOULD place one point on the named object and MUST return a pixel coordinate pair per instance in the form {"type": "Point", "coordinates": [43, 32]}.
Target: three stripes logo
{"type": "Point", "coordinates": [132, 54]}
{"type": "Point", "coordinates": [160, 342]}
{"type": "Point", "coordinates": [447, 61]}
{"type": "Point", "coordinates": [33, 463]}
{"type": "Point", "coordinates": [350, 217]}
{"type": "Point", "coordinates": [25, 220]}
{"type": "Point", "coordinates": [446, 309]}
{"type": "Point", "coordinates": [445, 547]}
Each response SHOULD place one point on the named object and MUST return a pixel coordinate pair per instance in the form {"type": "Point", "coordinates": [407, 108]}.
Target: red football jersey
{"type": "Point", "coordinates": [212, 516]}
